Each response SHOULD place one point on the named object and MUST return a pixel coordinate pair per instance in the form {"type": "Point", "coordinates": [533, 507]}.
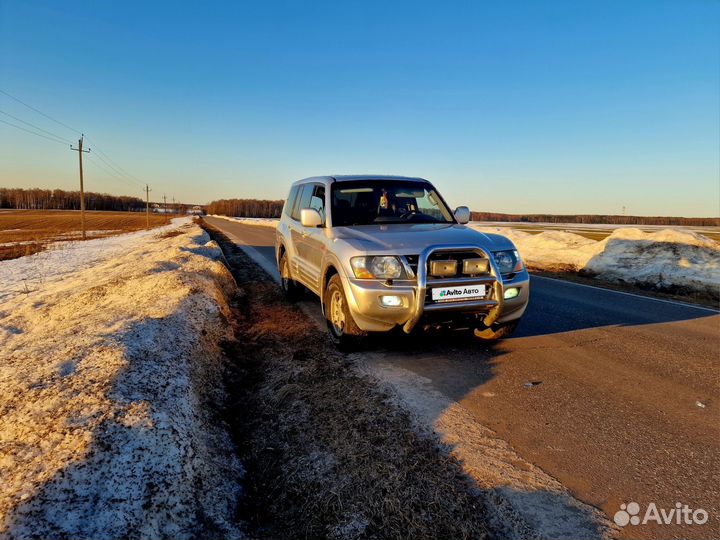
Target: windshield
{"type": "Point", "coordinates": [366, 202]}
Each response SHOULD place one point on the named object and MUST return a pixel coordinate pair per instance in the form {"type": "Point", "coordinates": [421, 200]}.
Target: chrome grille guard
{"type": "Point", "coordinates": [495, 279]}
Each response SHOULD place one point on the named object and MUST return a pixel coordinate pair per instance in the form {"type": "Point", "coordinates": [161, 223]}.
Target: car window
{"type": "Point", "coordinates": [290, 203]}
{"type": "Point", "coordinates": [366, 202]}
{"type": "Point", "coordinates": [428, 205]}
{"type": "Point", "coordinates": [294, 212]}
{"type": "Point", "coordinates": [310, 196]}
{"type": "Point", "coordinates": [303, 200]}
{"type": "Point", "coordinates": [317, 201]}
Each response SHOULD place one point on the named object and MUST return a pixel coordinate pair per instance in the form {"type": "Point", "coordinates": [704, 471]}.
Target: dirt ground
{"type": "Point", "coordinates": [327, 454]}
{"type": "Point", "coordinates": [24, 232]}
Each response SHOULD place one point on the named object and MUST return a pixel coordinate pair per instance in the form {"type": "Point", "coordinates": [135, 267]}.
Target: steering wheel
{"type": "Point", "coordinates": [408, 214]}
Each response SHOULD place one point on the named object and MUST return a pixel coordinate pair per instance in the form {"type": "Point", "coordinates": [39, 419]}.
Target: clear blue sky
{"type": "Point", "coordinates": [559, 107]}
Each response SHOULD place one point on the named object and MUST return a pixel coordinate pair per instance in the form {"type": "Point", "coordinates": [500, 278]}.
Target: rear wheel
{"type": "Point", "coordinates": [343, 331]}
{"type": "Point", "coordinates": [496, 331]}
{"type": "Point", "coordinates": [291, 289]}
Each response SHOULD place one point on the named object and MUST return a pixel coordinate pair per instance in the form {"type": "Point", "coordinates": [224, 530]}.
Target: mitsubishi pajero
{"type": "Point", "coordinates": [383, 252]}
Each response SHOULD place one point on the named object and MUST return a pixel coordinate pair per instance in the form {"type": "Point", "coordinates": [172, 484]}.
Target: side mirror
{"type": "Point", "coordinates": [309, 217]}
{"type": "Point", "coordinates": [462, 214]}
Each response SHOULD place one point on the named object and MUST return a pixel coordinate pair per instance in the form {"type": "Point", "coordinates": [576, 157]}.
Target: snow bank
{"type": "Point", "coordinates": [666, 259]}
{"type": "Point", "coordinates": [263, 222]}
{"type": "Point", "coordinates": [108, 370]}
{"type": "Point", "coordinates": [25, 274]}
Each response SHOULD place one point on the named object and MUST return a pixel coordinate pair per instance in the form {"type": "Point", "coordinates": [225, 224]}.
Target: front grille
{"type": "Point", "coordinates": [412, 261]}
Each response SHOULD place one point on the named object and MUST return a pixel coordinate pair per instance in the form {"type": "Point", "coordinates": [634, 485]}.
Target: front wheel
{"type": "Point", "coordinates": [496, 331]}
{"type": "Point", "coordinates": [341, 326]}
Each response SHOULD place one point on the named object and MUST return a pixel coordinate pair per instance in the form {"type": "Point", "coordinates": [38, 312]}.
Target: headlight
{"type": "Point", "coordinates": [508, 261]}
{"type": "Point", "coordinates": [380, 267]}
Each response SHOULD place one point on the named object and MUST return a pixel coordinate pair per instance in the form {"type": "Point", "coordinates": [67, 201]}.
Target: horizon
{"type": "Point", "coordinates": [282, 200]}
{"type": "Point", "coordinates": [523, 109]}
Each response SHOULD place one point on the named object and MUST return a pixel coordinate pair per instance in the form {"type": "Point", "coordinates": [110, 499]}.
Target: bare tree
{"type": "Point", "coordinates": [246, 208]}
{"type": "Point", "coordinates": [58, 199]}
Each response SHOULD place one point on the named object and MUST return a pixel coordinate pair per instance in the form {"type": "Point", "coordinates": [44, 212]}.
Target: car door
{"type": "Point", "coordinates": [298, 234]}
{"type": "Point", "coordinates": [314, 239]}
{"type": "Point", "coordinates": [283, 231]}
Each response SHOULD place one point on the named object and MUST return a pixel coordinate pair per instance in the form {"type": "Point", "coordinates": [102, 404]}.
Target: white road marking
{"type": "Point", "coordinates": [256, 256]}
{"type": "Point", "coordinates": [675, 302]}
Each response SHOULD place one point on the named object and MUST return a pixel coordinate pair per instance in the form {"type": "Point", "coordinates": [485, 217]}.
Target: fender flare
{"type": "Point", "coordinates": [330, 263]}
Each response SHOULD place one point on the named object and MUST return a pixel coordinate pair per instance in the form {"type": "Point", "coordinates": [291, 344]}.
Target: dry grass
{"type": "Point", "coordinates": [327, 455]}
{"type": "Point", "coordinates": [24, 232]}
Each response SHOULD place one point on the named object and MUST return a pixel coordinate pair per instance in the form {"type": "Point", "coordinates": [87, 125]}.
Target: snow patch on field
{"type": "Point", "coordinates": [109, 368]}
{"type": "Point", "coordinates": [665, 259]}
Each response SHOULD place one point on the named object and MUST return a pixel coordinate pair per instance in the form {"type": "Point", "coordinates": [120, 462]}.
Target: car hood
{"type": "Point", "coordinates": [412, 238]}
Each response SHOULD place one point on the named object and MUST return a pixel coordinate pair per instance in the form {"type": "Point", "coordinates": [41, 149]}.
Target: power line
{"type": "Point", "coordinates": [113, 165]}
{"type": "Point", "coordinates": [40, 112]}
{"type": "Point", "coordinates": [112, 174]}
{"type": "Point", "coordinates": [34, 133]}
{"type": "Point", "coordinates": [36, 127]}
{"type": "Point", "coordinates": [117, 171]}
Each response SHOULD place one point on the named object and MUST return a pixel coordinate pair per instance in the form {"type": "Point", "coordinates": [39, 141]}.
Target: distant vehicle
{"type": "Point", "coordinates": [196, 211]}
{"type": "Point", "coordinates": [386, 251]}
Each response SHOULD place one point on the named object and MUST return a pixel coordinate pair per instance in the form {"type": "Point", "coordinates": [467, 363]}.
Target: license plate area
{"type": "Point", "coordinates": [457, 294]}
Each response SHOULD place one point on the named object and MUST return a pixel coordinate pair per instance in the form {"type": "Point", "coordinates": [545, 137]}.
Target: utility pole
{"type": "Point", "coordinates": [80, 152]}
{"type": "Point", "coordinates": [147, 206]}
{"type": "Point", "coordinates": [164, 204]}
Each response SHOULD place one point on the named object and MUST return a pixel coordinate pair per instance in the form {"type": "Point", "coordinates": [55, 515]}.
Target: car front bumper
{"type": "Point", "coordinates": [365, 298]}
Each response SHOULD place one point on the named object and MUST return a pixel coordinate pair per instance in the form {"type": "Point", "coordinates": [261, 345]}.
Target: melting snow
{"type": "Point", "coordinates": [663, 259]}
{"type": "Point", "coordinates": [108, 365]}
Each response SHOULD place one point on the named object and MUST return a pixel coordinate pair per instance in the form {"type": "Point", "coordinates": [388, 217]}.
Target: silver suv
{"type": "Point", "coordinates": [386, 251]}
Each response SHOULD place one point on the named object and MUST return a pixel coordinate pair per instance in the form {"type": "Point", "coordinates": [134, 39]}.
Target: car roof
{"type": "Point", "coordinates": [352, 177]}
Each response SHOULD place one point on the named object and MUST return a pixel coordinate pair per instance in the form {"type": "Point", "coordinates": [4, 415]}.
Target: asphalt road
{"type": "Point", "coordinates": [616, 396]}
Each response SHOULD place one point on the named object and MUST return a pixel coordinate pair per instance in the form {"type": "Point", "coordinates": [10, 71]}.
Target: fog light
{"type": "Point", "coordinates": [512, 292]}
{"type": "Point", "coordinates": [391, 301]}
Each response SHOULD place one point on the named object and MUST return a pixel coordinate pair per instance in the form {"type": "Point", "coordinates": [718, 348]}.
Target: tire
{"type": "Point", "coordinates": [291, 289]}
{"type": "Point", "coordinates": [496, 331]}
{"type": "Point", "coordinates": [343, 330]}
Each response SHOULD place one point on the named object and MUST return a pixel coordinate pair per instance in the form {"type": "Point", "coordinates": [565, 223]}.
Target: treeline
{"type": "Point", "coordinates": [246, 208]}
{"type": "Point", "coordinates": [596, 218]}
{"type": "Point", "coordinates": [58, 199]}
